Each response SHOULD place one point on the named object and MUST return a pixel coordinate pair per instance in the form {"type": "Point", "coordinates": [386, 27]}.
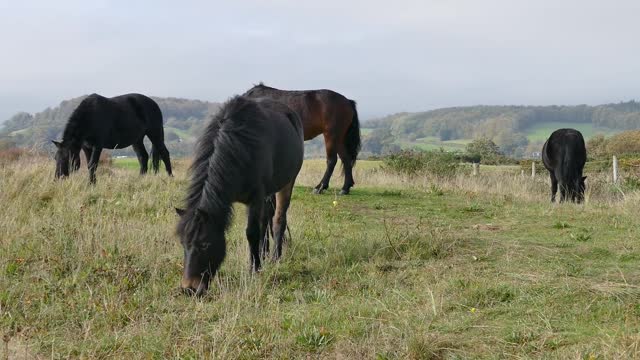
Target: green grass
{"type": "Point", "coordinates": [470, 268]}
{"type": "Point", "coordinates": [541, 131]}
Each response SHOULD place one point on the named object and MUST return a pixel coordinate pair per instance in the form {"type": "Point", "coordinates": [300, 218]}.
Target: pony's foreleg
{"type": "Point", "coordinates": [254, 232]}
{"type": "Point", "coordinates": [93, 164]}
{"type": "Point", "coordinates": [283, 199]}
{"type": "Point", "coordinates": [267, 228]}
{"type": "Point", "coordinates": [75, 161]}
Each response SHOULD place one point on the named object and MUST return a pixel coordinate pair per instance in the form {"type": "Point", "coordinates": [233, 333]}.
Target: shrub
{"type": "Point", "coordinates": [412, 162]}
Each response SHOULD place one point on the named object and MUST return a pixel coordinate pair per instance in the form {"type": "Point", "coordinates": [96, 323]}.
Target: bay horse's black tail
{"type": "Point", "coordinates": [352, 141]}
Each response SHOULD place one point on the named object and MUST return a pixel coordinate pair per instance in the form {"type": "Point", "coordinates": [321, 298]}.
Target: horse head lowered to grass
{"type": "Point", "coordinates": [250, 150]}
{"type": "Point", "coordinates": [111, 123]}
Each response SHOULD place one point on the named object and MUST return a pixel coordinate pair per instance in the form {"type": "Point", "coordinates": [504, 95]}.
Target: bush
{"type": "Point", "coordinates": [411, 162]}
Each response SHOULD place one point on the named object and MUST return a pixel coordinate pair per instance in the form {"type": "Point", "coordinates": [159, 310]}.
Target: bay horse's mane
{"type": "Point", "coordinates": [215, 172]}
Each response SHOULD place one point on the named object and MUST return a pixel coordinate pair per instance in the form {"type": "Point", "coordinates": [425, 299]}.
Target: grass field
{"type": "Point", "coordinates": [541, 131]}
{"type": "Point", "coordinates": [418, 268]}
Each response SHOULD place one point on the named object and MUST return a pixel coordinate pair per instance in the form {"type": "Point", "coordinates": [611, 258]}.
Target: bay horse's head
{"type": "Point", "coordinates": [203, 244]}
{"type": "Point", "coordinates": [65, 153]}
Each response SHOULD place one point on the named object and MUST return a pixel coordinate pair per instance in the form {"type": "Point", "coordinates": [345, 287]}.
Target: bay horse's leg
{"type": "Point", "coordinates": [93, 164]}
{"type": "Point", "coordinates": [283, 199]}
{"type": "Point", "coordinates": [254, 232]}
{"type": "Point", "coordinates": [554, 187]}
{"type": "Point", "coordinates": [332, 160]}
{"type": "Point", "coordinates": [143, 156]}
{"type": "Point", "coordinates": [348, 171]}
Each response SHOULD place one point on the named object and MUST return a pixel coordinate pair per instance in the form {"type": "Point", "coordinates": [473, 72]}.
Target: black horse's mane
{"type": "Point", "coordinates": [72, 129]}
{"type": "Point", "coordinates": [216, 172]}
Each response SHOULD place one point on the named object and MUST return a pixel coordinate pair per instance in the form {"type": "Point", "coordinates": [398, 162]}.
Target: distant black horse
{"type": "Point", "coordinates": [111, 123]}
{"type": "Point", "coordinates": [564, 155]}
{"type": "Point", "coordinates": [324, 112]}
{"type": "Point", "coordinates": [250, 150]}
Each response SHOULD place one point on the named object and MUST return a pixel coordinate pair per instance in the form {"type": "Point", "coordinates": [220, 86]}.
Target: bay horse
{"type": "Point", "coordinates": [251, 149]}
{"type": "Point", "coordinates": [111, 123]}
{"type": "Point", "coordinates": [564, 155]}
{"type": "Point", "coordinates": [323, 112]}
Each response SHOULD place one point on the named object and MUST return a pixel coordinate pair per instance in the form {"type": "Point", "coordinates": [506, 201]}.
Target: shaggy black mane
{"type": "Point", "coordinates": [215, 172]}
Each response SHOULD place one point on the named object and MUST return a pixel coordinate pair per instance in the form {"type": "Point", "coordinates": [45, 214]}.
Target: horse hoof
{"type": "Point", "coordinates": [318, 191]}
{"type": "Point", "coordinates": [344, 192]}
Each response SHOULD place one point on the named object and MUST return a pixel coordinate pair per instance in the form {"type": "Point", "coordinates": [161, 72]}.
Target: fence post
{"type": "Point", "coordinates": [476, 169]}
{"type": "Point", "coordinates": [615, 169]}
{"type": "Point", "coordinates": [533, 169]}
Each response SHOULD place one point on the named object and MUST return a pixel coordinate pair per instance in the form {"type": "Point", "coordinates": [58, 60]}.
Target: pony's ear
{"type": "Point", "coordinates": [180, 212]}
{"type": "Point", "coordinates": [58, 144]}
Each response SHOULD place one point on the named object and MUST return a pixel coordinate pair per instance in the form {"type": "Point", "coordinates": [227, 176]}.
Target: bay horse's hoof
{"type": "Point", "coordinates": [344, 192]}
{"type": "Point", "coordinates": [318, 191]}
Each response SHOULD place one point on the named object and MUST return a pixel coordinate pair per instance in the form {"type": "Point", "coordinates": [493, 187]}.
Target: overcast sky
{"type": "Point", "coordinates": [390, 56]}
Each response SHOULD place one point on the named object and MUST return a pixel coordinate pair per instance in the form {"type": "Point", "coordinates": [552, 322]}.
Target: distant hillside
{"type": "Point", "coordinates": [516, 129]}
{"type": "Point", "coordinates": [183, 120]}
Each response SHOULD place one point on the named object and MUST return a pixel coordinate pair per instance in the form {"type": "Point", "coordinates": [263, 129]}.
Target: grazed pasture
{"type": "Point", "coordinates": [402, 268]}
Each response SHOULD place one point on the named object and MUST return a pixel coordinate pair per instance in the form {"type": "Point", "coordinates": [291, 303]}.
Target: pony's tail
{"type": "Point", "coordinates": [352, 140]}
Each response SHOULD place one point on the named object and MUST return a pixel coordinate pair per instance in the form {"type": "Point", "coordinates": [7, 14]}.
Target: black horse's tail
{"type": "Point", "coordinates": [352, 140]}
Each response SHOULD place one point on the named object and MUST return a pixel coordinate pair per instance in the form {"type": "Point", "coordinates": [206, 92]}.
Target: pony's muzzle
{"type": "Point", "coordinates": [196, 286]}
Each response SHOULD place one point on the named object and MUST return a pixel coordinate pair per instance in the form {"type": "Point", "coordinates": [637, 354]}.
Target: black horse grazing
{"type": "Point", "coordinates": [564, 155]}
{"type": "Point", "coordinates": [250, 150]}
{"type": "Point", "coordinates": [111, 123]}
{"type": "Point", "coordinates": [324, 112]}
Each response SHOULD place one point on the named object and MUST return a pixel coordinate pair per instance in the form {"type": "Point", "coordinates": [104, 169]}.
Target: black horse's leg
{"type": "Point", "coordinates": [254, 232]}
{"type": "Point", "coordinates": [75, 161]}
{"type": "Point", "coordinates": [159, 148]}
{"type": "Point", "coordinates": [143, 156]}
{"type": "Point", "coordinates": [332, 160]}
{"type": "Point", "coordinates": [554, 187]}
{"type": "Point", "coordinates": [87, 152]}
{"type": "Point", "coordinates": [267, 229]}
{"type": "Point", "coordinates": [283, 199]}
{"type": "Point", "coordinates": [348, 171]}
{"type": "Point", "coordinates": [93, 164]}
{"type": "Point", "coordinates": [155, 159]}
{"type": "Point", "coordinates": [563, 192]}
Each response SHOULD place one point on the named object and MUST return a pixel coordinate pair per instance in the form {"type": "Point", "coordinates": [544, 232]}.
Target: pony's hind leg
{"type": "Point", "coordinates": [254, 232]}
{"type": "Point", "coordinates": [332, 160]}
{"type": "Point", "coordinates": [347, 165]}
{"type": "Point", "coordinates": [143, 156]}
{"type": "Point", "coordinates": [283, 199]}
{"type": "Point", "coordinates": [160, 149]}
{"type": "Point", "coordinates": [554, 187]}
{"type": "Point", "coordinates": [155, 159]}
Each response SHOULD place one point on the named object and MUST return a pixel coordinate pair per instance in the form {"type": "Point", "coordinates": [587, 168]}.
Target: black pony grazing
{"type": "Point", "coordinates": [250, 150]}
{"type": "Point", "coordinates": [564, 155]}
{"type": "Point", "coordinates": [111, 123]}
{"type": "Point", "coordinates": [328, 113]}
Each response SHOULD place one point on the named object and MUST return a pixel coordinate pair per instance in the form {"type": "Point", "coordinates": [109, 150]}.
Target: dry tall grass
{"type": "Point", "coordinates": [403, 268]}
